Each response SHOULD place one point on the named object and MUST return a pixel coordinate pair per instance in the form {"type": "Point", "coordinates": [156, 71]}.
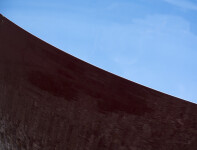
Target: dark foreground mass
{"type": "Point", "coordinates": [50, 100]}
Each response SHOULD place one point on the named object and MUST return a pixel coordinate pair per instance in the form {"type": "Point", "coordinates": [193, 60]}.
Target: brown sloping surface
{"type": "Point", "coordinates": [51, 100]}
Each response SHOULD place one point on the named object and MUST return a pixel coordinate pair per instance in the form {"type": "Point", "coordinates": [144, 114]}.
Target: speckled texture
{"type": "Point", "coordinates": [50, 100]}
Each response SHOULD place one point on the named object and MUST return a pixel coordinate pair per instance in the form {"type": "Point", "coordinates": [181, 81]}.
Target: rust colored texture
{"type": "Point", "coordinates": [50, 100]}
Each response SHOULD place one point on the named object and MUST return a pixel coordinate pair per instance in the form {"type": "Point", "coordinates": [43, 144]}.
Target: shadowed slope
{"type": "Point", "coordinates": [52, 100]}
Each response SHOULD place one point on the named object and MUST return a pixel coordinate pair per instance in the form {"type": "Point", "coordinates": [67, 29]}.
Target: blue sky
{"type": "Point", "coordinates": [151, 42]}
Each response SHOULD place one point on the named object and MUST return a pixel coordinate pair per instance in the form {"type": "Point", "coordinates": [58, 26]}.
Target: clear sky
{"type": "Point", "coordinates": [151, 42]}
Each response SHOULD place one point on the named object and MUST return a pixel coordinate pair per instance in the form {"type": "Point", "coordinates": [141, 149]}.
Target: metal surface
{"type": "Point", "coordinates": [50, 100]}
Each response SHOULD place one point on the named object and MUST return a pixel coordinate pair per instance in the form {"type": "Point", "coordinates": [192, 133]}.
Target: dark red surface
{"type": "Point", "coordinates": [54, 101]}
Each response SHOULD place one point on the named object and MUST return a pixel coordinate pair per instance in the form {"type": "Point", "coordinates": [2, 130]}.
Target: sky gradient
{"type": "Point", "coordinates": [151, 42]}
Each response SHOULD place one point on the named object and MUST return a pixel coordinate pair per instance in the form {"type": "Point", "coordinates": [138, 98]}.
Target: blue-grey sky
{"type": "Point", "coordinates": [151, 42]}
